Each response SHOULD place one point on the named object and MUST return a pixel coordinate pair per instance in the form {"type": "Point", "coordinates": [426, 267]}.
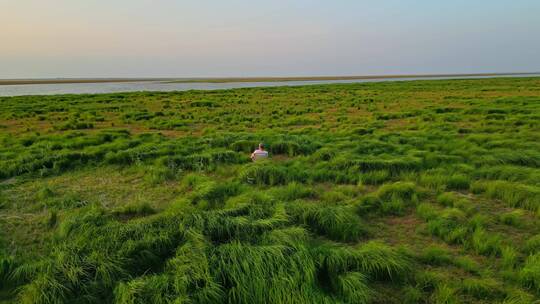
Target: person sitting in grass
{"type": "Point", "coordinates": [259, 153]}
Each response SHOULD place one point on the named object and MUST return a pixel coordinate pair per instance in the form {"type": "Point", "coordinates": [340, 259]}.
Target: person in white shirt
{"type": "Point", "coordinates": [259, 153]}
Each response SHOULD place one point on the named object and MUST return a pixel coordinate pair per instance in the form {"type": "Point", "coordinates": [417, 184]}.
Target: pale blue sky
{"type": "Point", "coordinates": [165, 38]}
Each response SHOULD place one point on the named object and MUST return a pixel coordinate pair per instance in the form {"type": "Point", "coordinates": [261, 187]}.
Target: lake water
{"type": "Point", "coordinates": [115, 87]}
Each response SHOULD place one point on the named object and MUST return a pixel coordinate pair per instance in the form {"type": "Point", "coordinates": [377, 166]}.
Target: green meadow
{"type": "Point", "coordinates": [388, 192]}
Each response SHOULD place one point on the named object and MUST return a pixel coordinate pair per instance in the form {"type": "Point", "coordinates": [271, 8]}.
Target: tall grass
{"type": "Point", "coordinates": [532, 245]}
{"type": "Point", "coordinates": [435, 256]}
{"type": "Point", "coordinates": [449, 226]}
{"type": "Point", "coordinates": [261, 274]}
{"type": "Point", "coordinates": [513, 194]}
{"type": "Point", "coordinates": [530, 273]}
{"type": "Point", "coordinates": [359, 189]}
{"type": "Point", "coordinates": [509, 173]}
{"type": "Point", "coordinates": [7, 267]}
{"type": "Point", "coordinates": [264, 173]}
{"type": "Point", "coordinates": [293, 191]}
{"type": "Point", "coordinates": [444, 294]}
{"type": "Point", "coordinates": [338, 223]}
{"type": "Point", "coordinates": [512, 218]}
{"type": "Point", "coordinates": [373, 259]}
{"type": "Point", "coordinates": [390, 198]}
{"type": "Point", "coordinates": [482, 288]}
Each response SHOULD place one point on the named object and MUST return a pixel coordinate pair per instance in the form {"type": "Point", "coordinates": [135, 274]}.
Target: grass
{"type": "Point", "coordinates": [435, 256]}
{"type": "Point", "coordinates": [530, 273]}
{"type": "Point", "coordinates": [395, 192]}
{"type": "Point", "coordinates": [513, 194]}
{"type": "Point", "coordinates": [513, 218]}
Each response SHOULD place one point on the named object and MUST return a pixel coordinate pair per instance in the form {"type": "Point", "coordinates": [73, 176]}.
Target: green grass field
{"type": "Point", "coordinates": [390, 192]}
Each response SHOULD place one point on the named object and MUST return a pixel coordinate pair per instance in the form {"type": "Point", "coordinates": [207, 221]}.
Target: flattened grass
{"type": "Point", "coordinates": [383, 192]}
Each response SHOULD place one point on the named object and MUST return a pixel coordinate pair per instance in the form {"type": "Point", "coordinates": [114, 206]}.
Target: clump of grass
{"type": "Point", "coordinates": [159, 174]}
{"type": "Point", "coordinates": [334, 196]}
{"type": "Point", "coordinates": [482, 288]}
{"type": "Point", "coordinates": [530, 273]}
{"type": "Point", "coordinates": [7, 267]}
{"type": "Point", "coordinates": [520, 298]}
{"type": "Point", "coordinates": [264, 173]}
{"type": "Point", "coordinates": [338, 223]}
{"type": "Point", "coordinates": [208, 194]}
{"type": "Point", "coordinates": [509, 173]}
{"type": "Point", "coordinates": [192, 180]}
{"type": "Point", "coordinates": [447, 199]}
{"type": "Point", "coordinates": [212, 195]}
{"type": "Point", "coordinates": [374, 177]}
{"type": "Point", "coordinates": [532, 245]}
{"type": "Point", "coordinates": [246, 146]}
{"type": "Point", "coordinates": [433, 180]}
{"type": "Point", "coordinates": [90, 215]}
{"type": "Point", "coordinates": [135, 209]}
{"type": "Point", "coordinates": [485, 243]}
{"type": "Point", "coordinates": [374, 259]}
{"type": "Point", "coordinates": [290, 236]}
{"type": "Point", "coordinates": [353, 288]}
{"type": "Point", "coordinates": [426, 211]}
{"type": "Point", "coordinates": [68, 200]}
{"type": "Point", "coordinates": [146, 289]}
{"type": "Point", "coordinates": [428, 280]}
{"type": "Point", "coordinates": [290, 148]}
{"type": "Point", "coordinates": [478, 221]}
{"type": "Point", "coordinates": [74, 125]}
{"type": "Point", "coordinates": [440, 180]}
{"type": "Point", "coordinates": [383, 262]}
{"type": "Point", "coordinates": [190, 273]}
{"type": "Point", "coordinates": [390, 198]}
{"type": "Point", "coordinates": [458, 182]}
{"type": "Point", "coordinates": [444, 294]}
{"type": "Point", "coordinates": [509, 257]}
{"type": "Point", "coordinates": [412, 295]}
{"type": "Point", "coordinates": [513, 218]}
{"type": "Point", "coordinates": [51, 219]}
{"type": "Point", "coordinates": [404, 191]}
{"type": "Point", "coordinates": [324, 154]}
{"type": "Point", "coordinates": [99, 254]}
{"type": "Point", "coordinates": [395, 165]}
{"type": "Point", "coordinates": [433, 255]}
{"type": "Point", "coordinates": [259, 274]}
{"type": "Point", "coordinates": [3, 200]}
{"type": "Point", "coordinates": [293, 191]}
{"type": "Point", "coordinates": [248, 199]}
{"type": "Point", "coordinates": [466, 206]}
{"type": "Point", "coordinates": [449, 226]}
{"type": "Point", "coordinates": [513, 194]}
{"type": "Point", "coordinates": [468, 264]}
{"type": "Point", "coordinates": [45, 193]}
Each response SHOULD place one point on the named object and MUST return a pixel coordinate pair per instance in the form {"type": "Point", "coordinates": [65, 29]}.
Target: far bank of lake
{"type": "Point", "coordinates": [19, 87]}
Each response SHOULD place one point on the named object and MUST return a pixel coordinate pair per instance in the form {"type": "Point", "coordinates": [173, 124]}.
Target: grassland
{"type": "Point", "coordinates": [394, 192]}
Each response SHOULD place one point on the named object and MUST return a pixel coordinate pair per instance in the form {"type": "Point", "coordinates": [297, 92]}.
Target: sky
{"type": "Point", "coordinates": [216, 38]}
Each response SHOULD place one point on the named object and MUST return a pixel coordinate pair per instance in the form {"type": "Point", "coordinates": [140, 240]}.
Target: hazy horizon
{"type": "Point", "coordinates": [139, 38]}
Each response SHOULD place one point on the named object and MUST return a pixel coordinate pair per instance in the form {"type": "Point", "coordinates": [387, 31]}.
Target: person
{"type": "Point", "coordinates": [259, 153]}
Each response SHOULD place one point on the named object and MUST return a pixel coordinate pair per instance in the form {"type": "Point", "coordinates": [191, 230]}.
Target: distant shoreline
{"type": "Point", "coordinates": [76, 80]}
{"type": "Point", "coordinates": [244, 79]}
{"type": "Point", "coordinates": [318, 78]}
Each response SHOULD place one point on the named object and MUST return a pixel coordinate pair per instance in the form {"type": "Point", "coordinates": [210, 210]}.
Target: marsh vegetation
{"type": "Point", "coordinates": [394, 192]}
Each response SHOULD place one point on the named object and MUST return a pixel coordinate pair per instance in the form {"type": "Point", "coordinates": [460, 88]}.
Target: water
{"type": "Point", "coordinates": [115, 87]}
